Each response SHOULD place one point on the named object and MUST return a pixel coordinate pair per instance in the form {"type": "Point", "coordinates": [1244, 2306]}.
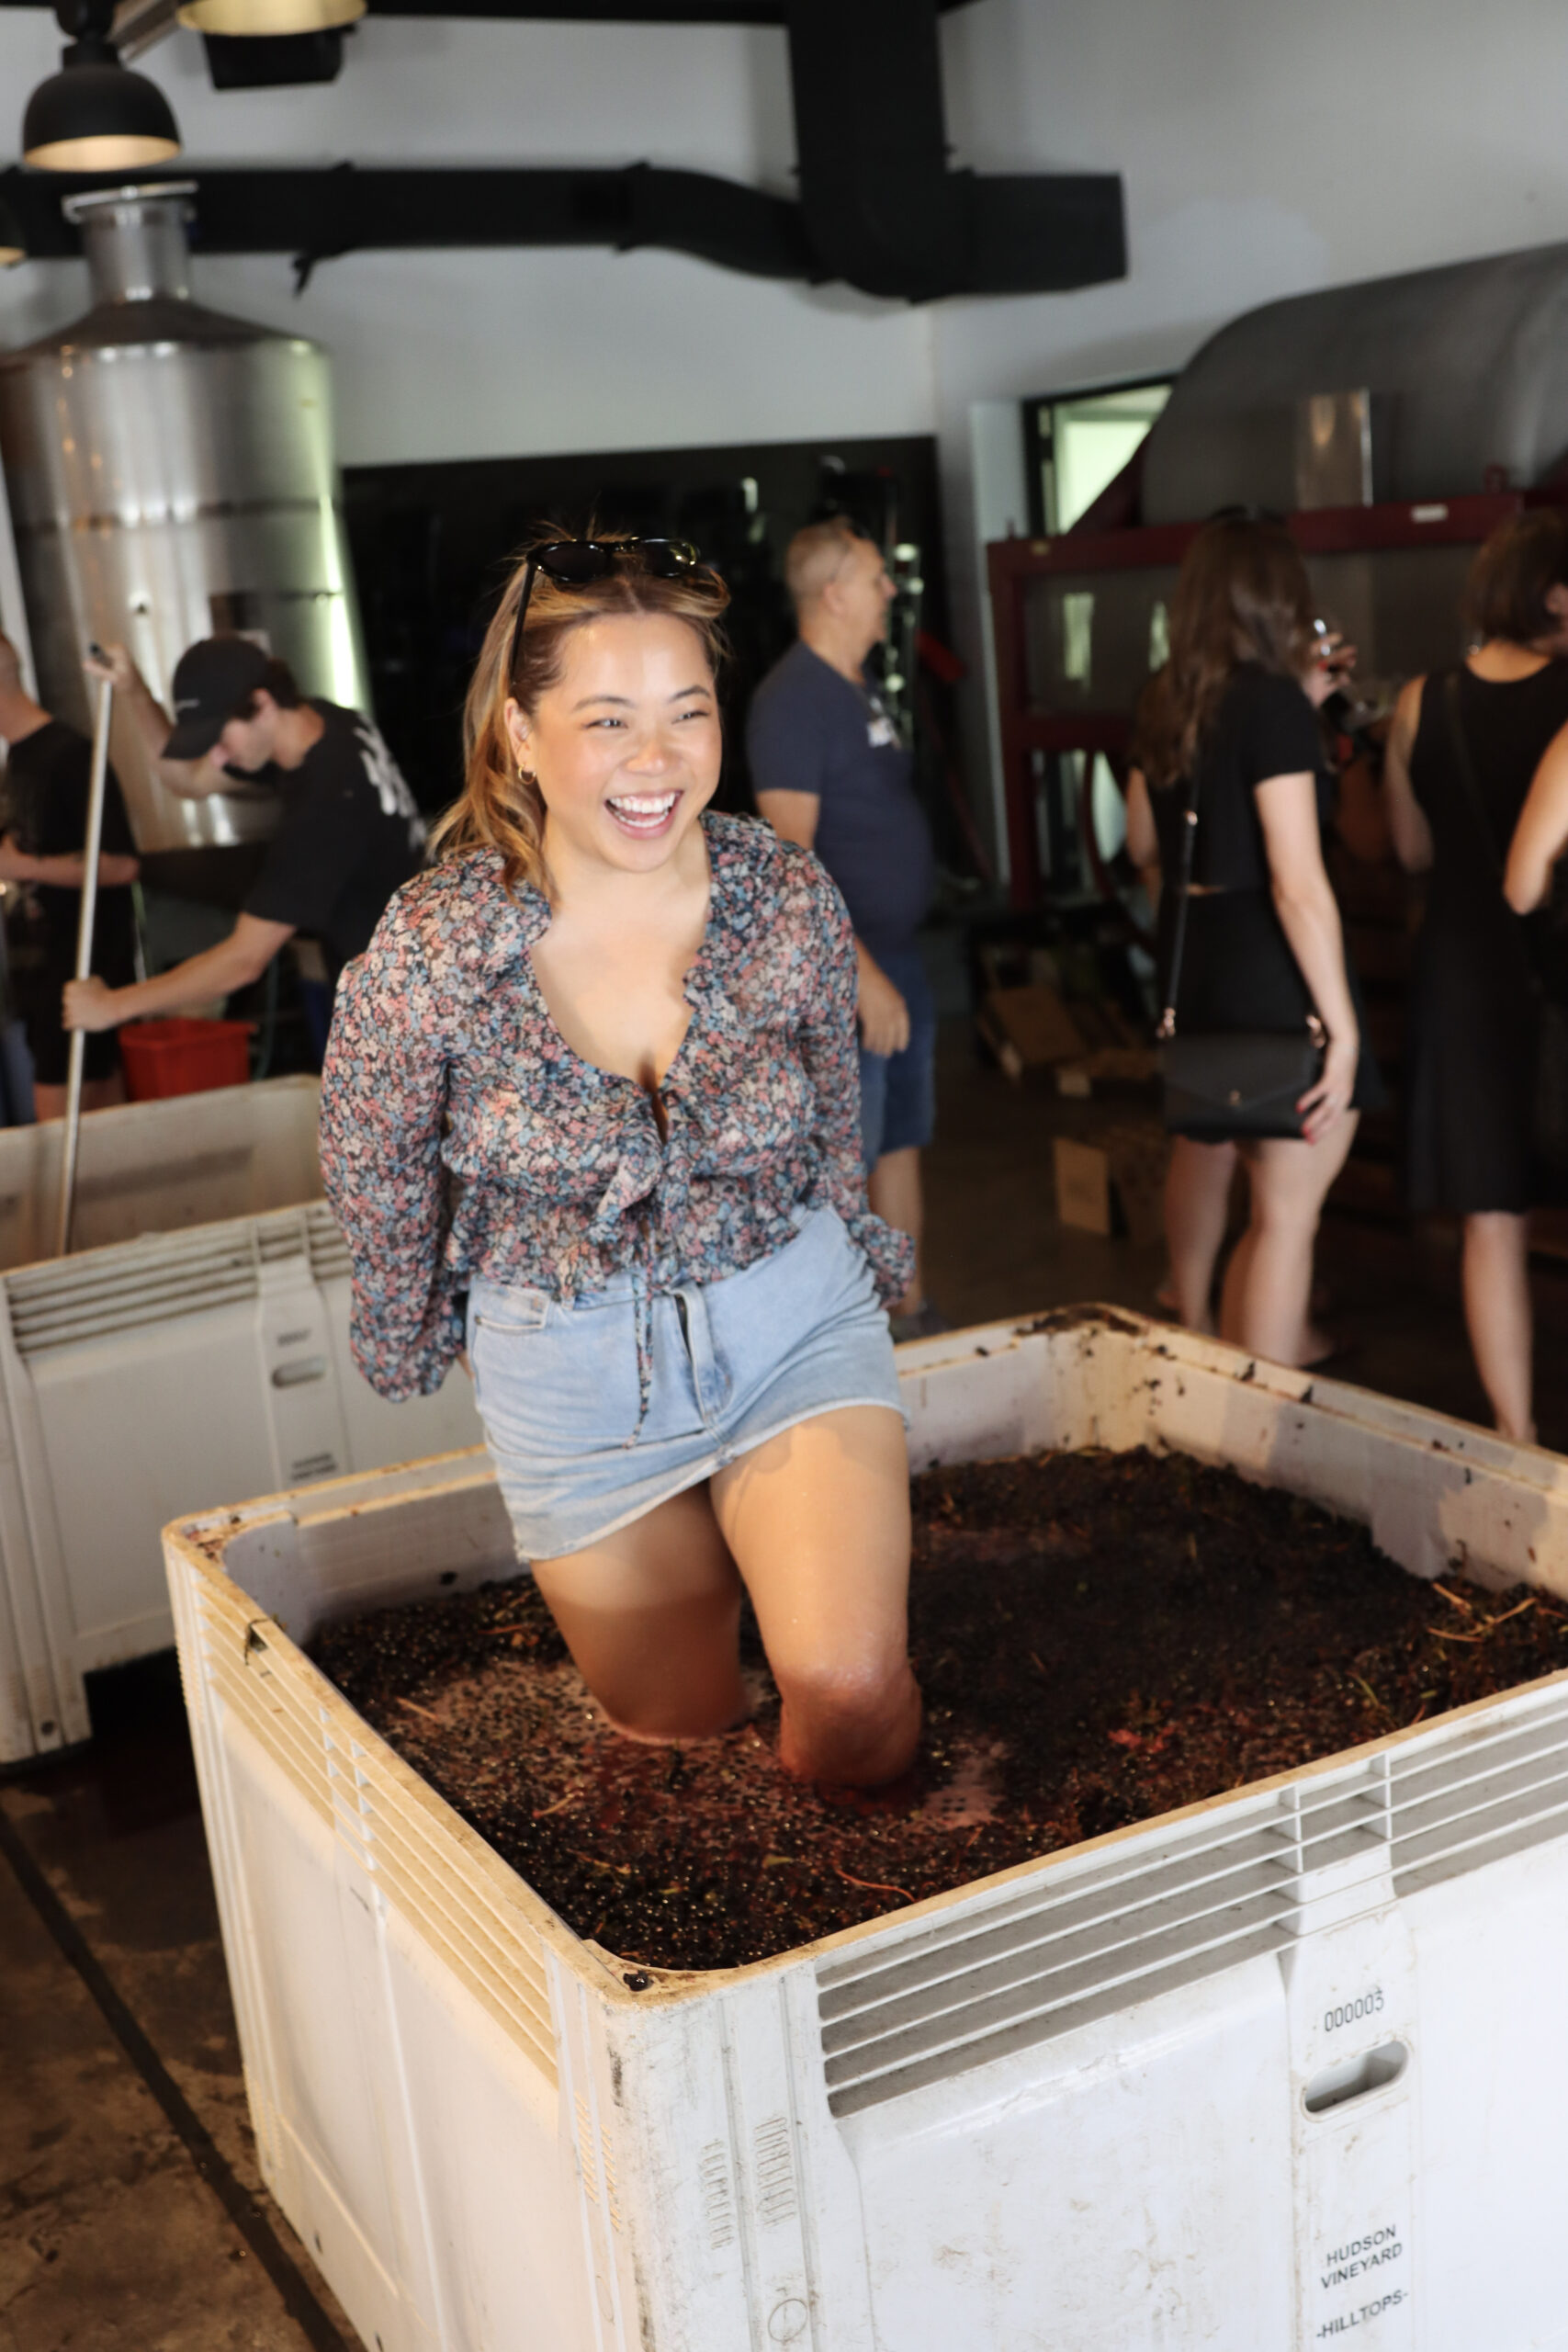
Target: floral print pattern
{"type": "Point", "coordinates": [461, 1136]}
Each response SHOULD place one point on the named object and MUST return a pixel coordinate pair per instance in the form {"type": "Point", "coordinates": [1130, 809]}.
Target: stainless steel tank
{"type": "Point", "coordinates": [1462, 372]}
{"type": "Point", "coordinates": [170, 474]}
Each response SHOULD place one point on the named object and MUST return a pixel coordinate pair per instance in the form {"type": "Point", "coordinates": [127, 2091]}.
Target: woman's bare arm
{"type": "Point", "coordinates": [1541, 833]}
{"type": "Point", "coordinates": [1408, 829]}
{"type": "Point", "coordinates": [1143, 840]}
{"type": "Point", "coordinates": [1309, 914]}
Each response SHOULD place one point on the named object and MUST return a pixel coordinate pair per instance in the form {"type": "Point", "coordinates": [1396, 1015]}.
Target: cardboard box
{"type": "Point", "coordinates": [1116, 1184]}
{"type": "Point", "coordinates": [1107, 1066]}
{"type": "Point", "coordinates": [1008, 964]}
{"type": "Point", "coordinates": [1083, 1185]}
{"type": "Point", "coordinates": [1029, 1028]}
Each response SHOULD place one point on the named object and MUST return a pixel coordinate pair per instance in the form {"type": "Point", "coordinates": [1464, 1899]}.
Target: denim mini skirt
{"type": "Point", "coordinates": [733, 1362]}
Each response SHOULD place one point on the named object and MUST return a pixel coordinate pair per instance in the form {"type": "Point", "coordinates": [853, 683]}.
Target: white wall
{"type": "Point", "coordinates": [1268, 147]}
{"type": "Point", "coordinates": [505, 353]}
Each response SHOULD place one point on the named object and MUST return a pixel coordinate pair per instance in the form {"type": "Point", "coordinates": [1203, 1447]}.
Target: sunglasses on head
{"type": "Point", "coordinates": [574, 564]}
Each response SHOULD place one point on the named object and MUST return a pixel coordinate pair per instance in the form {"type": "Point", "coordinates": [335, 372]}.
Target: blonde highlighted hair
{"type": "Point", "coordinates": [501, 807]}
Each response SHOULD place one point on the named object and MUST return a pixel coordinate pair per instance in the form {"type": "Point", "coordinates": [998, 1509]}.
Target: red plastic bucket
{"type": "Point", "coordinates": [184, 1056]}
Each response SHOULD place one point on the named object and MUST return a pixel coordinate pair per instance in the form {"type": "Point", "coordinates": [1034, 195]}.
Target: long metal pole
{"type": "Point", "coordinates": [83, 962]}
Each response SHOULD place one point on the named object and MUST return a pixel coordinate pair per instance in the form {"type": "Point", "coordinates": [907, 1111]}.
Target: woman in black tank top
{"type": "Point", "coordinates": [1470, 1051]}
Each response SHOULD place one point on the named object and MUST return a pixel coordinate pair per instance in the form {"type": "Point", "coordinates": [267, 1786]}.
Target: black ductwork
{"type": "Point", "coordinates": [321, 215]}
{"type": "Point", "coordinates": [882, 208]}
{"type": "Point", "coordinates": [878, 206]}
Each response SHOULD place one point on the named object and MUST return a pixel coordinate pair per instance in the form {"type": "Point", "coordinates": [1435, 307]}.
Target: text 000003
{"type": "Point", "coordinates": [1351, 2012]}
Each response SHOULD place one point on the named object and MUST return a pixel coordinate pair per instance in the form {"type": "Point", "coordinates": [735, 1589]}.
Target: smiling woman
{"type": "Point", "coordinates": [592, 1110]}
{"type": "Point", "coordinates": [560, 587]}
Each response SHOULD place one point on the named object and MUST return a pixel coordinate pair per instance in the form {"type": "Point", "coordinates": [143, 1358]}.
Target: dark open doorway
{"type": "Point", "coordinates": [432, 543]}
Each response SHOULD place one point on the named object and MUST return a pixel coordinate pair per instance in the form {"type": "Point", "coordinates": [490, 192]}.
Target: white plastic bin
{"type": "Point", "coordinates": [1288, 2067]}
{"type": "Point", "coordinates": [156, 1167]}
{"type": "Point", "coordinates": [177, 1364]}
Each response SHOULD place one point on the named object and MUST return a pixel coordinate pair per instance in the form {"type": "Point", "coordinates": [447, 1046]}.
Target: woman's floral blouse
{"type": "Point", "coordinates": [461, 1136]}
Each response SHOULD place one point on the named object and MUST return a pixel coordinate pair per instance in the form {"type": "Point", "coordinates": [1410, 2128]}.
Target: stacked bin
{"type": "Point", "coordinates": [1288, 2067]}
{"type": "Point", "coordinates": [195, 1344]}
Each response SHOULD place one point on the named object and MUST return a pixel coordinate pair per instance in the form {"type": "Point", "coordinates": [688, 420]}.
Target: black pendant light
{"type": "Point", "coordinates": [95, 115]}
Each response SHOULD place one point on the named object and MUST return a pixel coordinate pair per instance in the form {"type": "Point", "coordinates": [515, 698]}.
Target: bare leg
{"type": "Point", "coordinates": [97, 1094]}
{"type": "Point", "coordinates": [1268, 1281]}
{"type": "Point", "coordinates": [651, 1616]}
{"type": "Point", "coordinates": [1498, 1317]}
{"type": "Point", "coordinates": [818, 1521]}
{"type": "Point", "coordinates": [1197, 1203]}
{"type": "Point", "coordinates": [1314, 1343]}
{"type": "Point", "coordinates": [893, 1187]}
{"type": "Point", "coordinates": [1236, 1284]}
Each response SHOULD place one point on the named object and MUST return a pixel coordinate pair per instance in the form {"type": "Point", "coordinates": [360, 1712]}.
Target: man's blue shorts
{"type": "Point", "coordinates": [897, 1091]}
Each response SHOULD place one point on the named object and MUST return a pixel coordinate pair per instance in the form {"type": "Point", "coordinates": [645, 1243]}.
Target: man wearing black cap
{"type": "Point", "coordinates": [348, 833]}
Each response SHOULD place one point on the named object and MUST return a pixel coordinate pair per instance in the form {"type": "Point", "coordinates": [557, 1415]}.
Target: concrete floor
{"type": "Point", "coordinates": [132, 2218]}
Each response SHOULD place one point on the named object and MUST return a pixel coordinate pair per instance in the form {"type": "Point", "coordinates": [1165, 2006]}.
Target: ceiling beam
{"type": "Point", "coordinates": [321, 215]}
{"type": "Point", "coordinates": [1062, 231]}
{"type": "Point", "coordinates": [884, 207]}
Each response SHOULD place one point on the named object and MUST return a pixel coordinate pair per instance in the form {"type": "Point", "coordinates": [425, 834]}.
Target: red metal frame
{"type": "Point", "coordinates": [1012, 564]}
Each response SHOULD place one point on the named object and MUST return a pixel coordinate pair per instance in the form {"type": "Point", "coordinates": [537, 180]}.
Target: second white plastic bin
{"type": "Point", "coordinates": [165, 1363]}
{"type": "Point", "coordinates": [157, 1167]}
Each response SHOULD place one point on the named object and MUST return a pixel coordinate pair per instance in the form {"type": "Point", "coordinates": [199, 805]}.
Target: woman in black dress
{"type": "Point", "coordinates": [1471, 1048]}
{"type": "Point", "coordinates": [1234, 705]}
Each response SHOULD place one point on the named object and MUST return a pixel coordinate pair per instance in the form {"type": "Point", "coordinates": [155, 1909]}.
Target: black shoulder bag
{"type": "Point", "coordinates": [1228, 1083]}
{"type": "Point", "coordinates": [1545, 939]}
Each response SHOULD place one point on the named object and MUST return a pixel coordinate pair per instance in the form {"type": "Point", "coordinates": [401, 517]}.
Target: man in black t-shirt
{"type": "Point", "coordinates": [48, 774]}
{"type": "Point", "coordinates": [348, 831]}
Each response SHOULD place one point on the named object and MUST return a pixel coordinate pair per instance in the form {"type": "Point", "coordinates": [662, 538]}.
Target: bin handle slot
{"type": "Point", "coordinates": [1354, 2077]}
{"type": "Point", "coordinates": [293, 1375]}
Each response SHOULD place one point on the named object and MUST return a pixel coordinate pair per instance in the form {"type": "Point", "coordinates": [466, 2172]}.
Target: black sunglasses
{"type": "Point", "coordinates": [573, 564]}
